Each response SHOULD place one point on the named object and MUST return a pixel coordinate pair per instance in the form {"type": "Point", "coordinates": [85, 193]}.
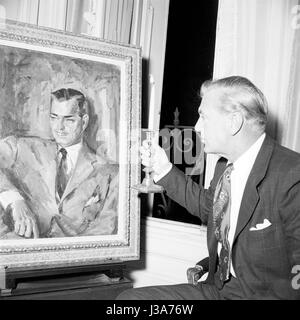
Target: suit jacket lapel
{"type": "Point", "coordinates": [257, 174]}
{"type": "Point", "coordinates": [48, 171]}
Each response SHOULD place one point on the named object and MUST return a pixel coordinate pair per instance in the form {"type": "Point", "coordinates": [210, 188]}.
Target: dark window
{"type": "Point", "coordinates": [189, 62]}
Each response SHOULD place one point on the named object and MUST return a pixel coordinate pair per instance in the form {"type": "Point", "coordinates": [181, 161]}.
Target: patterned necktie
{"type": "Point", "coordinates": [62, 173]}
{"type": "Point", "coordinates": [221, 219]}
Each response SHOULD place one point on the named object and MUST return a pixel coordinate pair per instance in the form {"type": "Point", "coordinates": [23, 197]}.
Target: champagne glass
{"type": "Point", "coordinates": [148, 185]}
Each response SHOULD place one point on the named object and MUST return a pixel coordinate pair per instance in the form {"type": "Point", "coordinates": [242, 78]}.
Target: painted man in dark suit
{"type": "Point", "coordinates": [264, 233]}
{"type": "Point", "coordinates": [59, 187]}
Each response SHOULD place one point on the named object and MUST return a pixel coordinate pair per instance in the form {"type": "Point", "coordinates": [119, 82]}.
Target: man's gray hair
{"type": "Point", "coordinates": [240, 94]}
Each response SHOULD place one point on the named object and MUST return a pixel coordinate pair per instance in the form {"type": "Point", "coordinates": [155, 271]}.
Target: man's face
{"type": "Point", "coordinates": [66, 124]}
{"type": "Point", "coordinates": [212, 124]}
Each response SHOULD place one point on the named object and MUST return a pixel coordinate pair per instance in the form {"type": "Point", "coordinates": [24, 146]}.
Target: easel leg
{"type": "Point", "coordinates": [2, 277]}
{"type": "Point", "coordinates": [4, 290]}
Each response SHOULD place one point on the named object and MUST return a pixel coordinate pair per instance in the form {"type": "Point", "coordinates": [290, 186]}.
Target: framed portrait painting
{"type": "Point", "coordinates": [69, 137]}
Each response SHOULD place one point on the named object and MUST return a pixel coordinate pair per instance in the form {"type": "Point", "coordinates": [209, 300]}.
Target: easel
{"type": "Point", "coordinates": [45, 282]}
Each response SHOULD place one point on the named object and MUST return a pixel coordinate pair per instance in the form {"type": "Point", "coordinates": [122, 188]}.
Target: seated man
{"type": "Point", "coordinates": [60, 187]}
{"type": "Point", "coordinates": [251, 209]}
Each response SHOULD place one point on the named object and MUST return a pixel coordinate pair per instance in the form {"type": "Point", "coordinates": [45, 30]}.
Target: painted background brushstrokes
{"type": "Point", "coordinates": [26, 80]}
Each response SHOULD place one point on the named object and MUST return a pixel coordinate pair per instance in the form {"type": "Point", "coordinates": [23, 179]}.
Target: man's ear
{"type": "Point", "coordinates": [85, 119]}
{"type": "Point", "coordinates": [236, 122]}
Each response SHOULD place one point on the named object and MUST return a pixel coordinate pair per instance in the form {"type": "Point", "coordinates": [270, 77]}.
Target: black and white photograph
{"type": "Point", "coordinates": [150, 151]}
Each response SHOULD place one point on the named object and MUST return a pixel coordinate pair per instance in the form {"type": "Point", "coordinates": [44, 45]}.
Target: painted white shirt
{"type": "Point", "coordinates": [72, 156]}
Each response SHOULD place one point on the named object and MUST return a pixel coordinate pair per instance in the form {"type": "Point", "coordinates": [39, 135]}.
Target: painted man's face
{"type": "Point", "coordinates": [66, 124]}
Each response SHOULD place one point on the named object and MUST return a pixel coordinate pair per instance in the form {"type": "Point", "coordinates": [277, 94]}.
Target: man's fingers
{"type": "Point", "coordinates": [28, 230]}
{"type": "Point", "coordinates": [146, 160]}
{"type": "Point", "coordinates": [145, 151]}
{"type": "Point", "coordinates": [17, 226]}
{"type": "Point", "coordinates": [144, 156]}
{"type": "Point", "coordinates": [146, 144]}
{"type": "Point", "coordinates": [35, 230]}
{"type": "Point", "coordinates": [22, 228]}
{"type": "Point", "coordinates": [146, 163]}
{"type": "Point", "coordinates": [24, 221]}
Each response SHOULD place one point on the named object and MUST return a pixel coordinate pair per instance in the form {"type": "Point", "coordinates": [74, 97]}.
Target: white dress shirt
{"type": "Point", "coordinates": [239, 176]}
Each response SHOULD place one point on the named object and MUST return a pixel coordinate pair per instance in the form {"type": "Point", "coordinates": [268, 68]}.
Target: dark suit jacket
{"type": "Point", "coordinates": [89, 204]}
{"type": "Point", "coordinates": [262, 259]}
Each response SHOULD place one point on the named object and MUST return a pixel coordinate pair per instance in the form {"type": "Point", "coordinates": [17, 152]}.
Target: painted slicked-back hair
{"type": "Point", "coordinates": [240, 94]}
{"type": "Point", "coordinates": [64, 94]}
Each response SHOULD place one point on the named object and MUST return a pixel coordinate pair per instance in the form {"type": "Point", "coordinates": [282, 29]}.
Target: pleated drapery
{"type": "Point", "coordinates": [259, 39]}
{"type": "Point", "coordinates": [116, 20]}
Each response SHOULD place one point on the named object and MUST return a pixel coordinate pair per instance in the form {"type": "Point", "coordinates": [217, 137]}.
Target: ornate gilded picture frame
{"type": "Point", "coordinates": [97, 219]}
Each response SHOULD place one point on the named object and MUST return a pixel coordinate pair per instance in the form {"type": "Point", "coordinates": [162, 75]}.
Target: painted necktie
{"type": "Point", "coordinates": [62, 173]}
{"type": "Point", "coordinates": [221, 219]}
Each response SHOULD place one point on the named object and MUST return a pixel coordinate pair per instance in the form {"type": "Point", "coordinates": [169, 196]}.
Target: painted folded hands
{"type": "Point", "coordinates": [25, 222]}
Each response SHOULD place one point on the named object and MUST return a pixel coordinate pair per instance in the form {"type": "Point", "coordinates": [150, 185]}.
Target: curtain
{"type": "Point", "coordinates": [108, 19]}
{"type": "Point", "coordinates": [255, 39]}
{"type": "Point", "coordinates": [291, 132]}
{"type": "Point", "coordinates": [24, 10]}
{"type": "Point", "coordinates": [259, 39]}
{"type": "Point", "coordinates": [120, 21]}
{"type": "Point", "coordinates": [54, 15]}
